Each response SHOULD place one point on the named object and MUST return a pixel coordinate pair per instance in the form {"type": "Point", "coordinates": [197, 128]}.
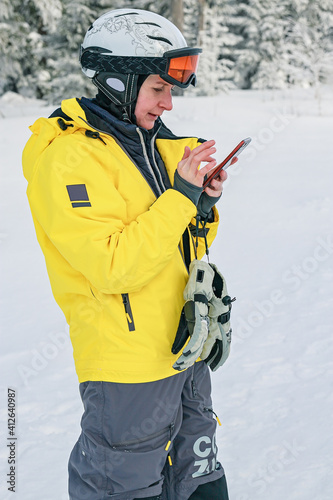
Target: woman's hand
{"type": "Point", "coordinates": [215, 186]}
{"type": "Point", "coordinates": [188, 165]}
{"type": "Point", "coordinates": [188, 168]}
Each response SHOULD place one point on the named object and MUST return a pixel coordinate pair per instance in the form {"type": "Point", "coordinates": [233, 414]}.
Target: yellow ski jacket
{"type": "Point", "coordinates": [112, 247]}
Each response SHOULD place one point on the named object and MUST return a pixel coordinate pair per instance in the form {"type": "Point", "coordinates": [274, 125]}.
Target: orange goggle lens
{"type": "Point", "coordinates": [182, 68]}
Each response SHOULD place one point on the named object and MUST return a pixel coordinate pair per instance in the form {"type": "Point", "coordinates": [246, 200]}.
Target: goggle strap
{"type": "Point", "coordinates": [103, 62]}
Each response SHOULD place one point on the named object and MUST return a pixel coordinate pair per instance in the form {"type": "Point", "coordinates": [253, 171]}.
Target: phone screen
{"type": "Point", "coordinates": [226, 162]}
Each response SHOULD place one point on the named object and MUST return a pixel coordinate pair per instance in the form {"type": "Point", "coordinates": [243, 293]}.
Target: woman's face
{"type": "Point", "coordinates": [154, 98]}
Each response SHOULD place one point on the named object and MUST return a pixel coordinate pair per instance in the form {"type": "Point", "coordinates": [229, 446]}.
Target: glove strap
{"type": "Point", "coordinates": [203, 227]}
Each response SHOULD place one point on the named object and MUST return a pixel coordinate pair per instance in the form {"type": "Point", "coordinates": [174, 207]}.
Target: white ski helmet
{"type": "Point", "coordinates": [133, 41]}
{"type": "Point", "coordinates": [125, 43]}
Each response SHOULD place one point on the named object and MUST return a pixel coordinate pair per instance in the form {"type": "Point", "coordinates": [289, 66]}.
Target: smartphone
{"type": "Point", "coordinates": [226, 162]}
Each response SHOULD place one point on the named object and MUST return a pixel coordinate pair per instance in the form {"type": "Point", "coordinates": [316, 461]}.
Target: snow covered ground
{"type": "Point", "coordinates": [275, 247]}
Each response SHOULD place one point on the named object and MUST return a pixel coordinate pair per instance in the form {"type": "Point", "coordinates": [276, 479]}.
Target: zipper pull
{"type": "Point", "coordinates": [217, 418]}
{"type": "Point", "coordinates": [215, 415]}
{"type": "Point", "coordinates": [171, 427]}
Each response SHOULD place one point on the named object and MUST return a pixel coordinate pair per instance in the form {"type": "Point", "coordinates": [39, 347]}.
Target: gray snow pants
{"type": "Point", "coordinates": [143, 440]}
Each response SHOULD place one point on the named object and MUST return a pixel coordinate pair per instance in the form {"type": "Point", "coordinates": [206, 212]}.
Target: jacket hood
{"type": "Point", "coordinates": [87, 115]}
{"type": "Point", "coordinates": [70, 118]}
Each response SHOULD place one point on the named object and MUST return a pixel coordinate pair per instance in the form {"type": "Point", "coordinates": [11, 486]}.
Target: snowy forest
{"type": "Point", "coordinates": [247, 44]}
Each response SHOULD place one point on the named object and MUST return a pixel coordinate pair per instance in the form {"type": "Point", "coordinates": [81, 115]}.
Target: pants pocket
{"type": "Point", "coordinates": [125, 466]}
{"type": "Point", "coordinates": [147, 443]}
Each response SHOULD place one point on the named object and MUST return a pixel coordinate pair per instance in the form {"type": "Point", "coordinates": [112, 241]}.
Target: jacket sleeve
{"type": "Point", "coordinates": [116, 254]}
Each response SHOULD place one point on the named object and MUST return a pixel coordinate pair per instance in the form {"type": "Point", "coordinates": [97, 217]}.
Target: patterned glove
{"type": "Point", "coordinates": [217, 346]}
{"type": "Point", "coordinates": [197, 294]}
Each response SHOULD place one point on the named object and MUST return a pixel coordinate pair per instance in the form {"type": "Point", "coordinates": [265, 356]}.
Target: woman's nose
{"type": "Point", "coordinates": [166, 101]}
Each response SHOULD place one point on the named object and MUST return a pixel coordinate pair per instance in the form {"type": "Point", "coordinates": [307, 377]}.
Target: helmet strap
{"type": "Point", "coordinates": [121, 91]}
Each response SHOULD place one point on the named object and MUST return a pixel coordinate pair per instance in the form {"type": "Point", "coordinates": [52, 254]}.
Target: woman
{"type": "Point", "coordinates": [114, 194]}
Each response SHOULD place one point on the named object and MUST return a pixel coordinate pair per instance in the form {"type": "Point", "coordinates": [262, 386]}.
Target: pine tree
{"type": "Point", "coordinates": [273, 65]}
{"type": "Point", "coordinates": [289, 43]}
{"type": "Point", "coordinates": [309, 43]}
{"type": "Point", "coordinates": [243, 20]}
{"type": "Point", "coordinates": [22, 28]}
{"type": "Point", "coordinates": [261, 26]}
{"type": "Point", "coordinates": [215, 73]}
{"type": "Point", "coordinates": [61, 52]}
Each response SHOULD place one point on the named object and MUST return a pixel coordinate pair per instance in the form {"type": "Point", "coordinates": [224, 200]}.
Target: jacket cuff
{"type": "Point", "coordinates": [187, 189]}
{"type": "Point", "coordinates": [206, 204]}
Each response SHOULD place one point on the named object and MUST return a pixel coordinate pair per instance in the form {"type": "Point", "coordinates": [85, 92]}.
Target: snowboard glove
{"type": "Point", "coordinates": [197, 294]}
{"type": "Point", "coordinates": [217, 346]}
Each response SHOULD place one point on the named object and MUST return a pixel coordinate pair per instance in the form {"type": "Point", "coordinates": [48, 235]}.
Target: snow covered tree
{"type": "Point", "coordinates": [22, 27]}
{"type": "Point", "coordinates": [260, 26]}
{"type": "Point", "coordinates": [309, 43]}
{"type": "Point", "coordinates": [282, 44]}
{"type": "Point", "coordinates": [215, 72]}
{"type": "Point", "coordinates": [273, 64]}
{"type": "Point", "coordinates": [61, 51]}
{"type": "Point", "coordinates": [9, 46]}
{"type": "Point", "coordinates": [39, 46]}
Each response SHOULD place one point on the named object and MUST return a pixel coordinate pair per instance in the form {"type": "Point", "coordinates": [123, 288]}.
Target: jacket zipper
{"type": "Point", "coordinates": [128, 312]}
{"type": "Point", "coordinates": [154, 160]}
{"type": "Point", "coordinates": [147, 160]}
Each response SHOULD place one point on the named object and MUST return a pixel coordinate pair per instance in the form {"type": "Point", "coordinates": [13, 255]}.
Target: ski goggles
{"type": "Point", "coordinates": [177, 67]}
{"type": "Point", "coordinates": [181, 66]}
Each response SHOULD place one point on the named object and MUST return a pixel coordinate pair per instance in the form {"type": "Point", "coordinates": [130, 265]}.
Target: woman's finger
{"type": "Point", "coordinates": [187, 152]}
{"type": "Point", "coordinates": [196, 153]}
{"type": "Point", "coordinates": [204, 170]}
{"type": "Point", "coordinates": [202, 148]}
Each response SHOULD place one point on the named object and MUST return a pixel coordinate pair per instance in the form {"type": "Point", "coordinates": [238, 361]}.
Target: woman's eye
{"type": "Point", "coordinates": [158, 89]}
